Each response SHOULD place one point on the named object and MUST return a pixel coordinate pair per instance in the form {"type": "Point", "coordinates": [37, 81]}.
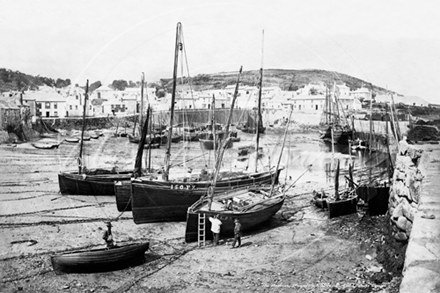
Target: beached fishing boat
{"type": "Point", "coordinates": [100, 260]}
{"type": "Point", "coordinates": [190, 134]}
{"type": "Point", "coordinates": [161, 198]}
{"type": "Point", "coordinates": [208, 144]}
{"type": "Point", "coordinates": [343, 202]}
{"type": "Point", "coordinates": [334, 125]}
{"type": "Point", "coordinates": [346, 204]}
{"type": "Point", "coordinates": [162, 201]}
{"type": "Point", "coordinates": [93, 181]}
{"type": "Point", "coordinates": [252, 206]}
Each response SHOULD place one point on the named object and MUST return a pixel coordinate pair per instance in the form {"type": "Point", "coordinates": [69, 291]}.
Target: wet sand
{"type": "Point", "coordinates": [298, 250]}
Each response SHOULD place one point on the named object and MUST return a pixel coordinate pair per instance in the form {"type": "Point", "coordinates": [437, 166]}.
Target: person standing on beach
{"type": "Point", "coordinates": [237, 233]}
{"type": "Point", "coordinates": [108, 236]}
{"type": "Point", "coordinates": [215, 228]}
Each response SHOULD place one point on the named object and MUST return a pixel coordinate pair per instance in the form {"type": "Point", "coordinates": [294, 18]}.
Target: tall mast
{"type": "Point", "coordinates": [143, 135]}
{"type": "Point", "coordinates": [178, 47]}
{"type": "Point", "coordinates": [141, 116]}
{"type": "Point", "coordinates": [281, 154]}
{"type": "Point", "coordinates": [257, 141]}
{"type": "Point", "coordinates": [370, 135]}
{"type": "Point", "coordinates": [83, 128]}
{"type": "Point", "coordinates": [225, 142]}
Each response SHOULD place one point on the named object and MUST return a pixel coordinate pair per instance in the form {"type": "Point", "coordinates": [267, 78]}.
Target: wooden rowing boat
{"type": "Point", "coordinates": [100, 260]}
{"type": "Point", "coordinates": [72, 140]}
{"type": "Point", "coordinates": [45, 146]}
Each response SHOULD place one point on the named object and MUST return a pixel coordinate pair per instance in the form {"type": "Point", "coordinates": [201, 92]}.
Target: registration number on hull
{"type": "Point", "coordinates": [183, 186]}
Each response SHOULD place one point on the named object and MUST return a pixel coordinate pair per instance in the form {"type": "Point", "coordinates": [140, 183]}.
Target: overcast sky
{"type": "Point", "coordinates": [393, 44]}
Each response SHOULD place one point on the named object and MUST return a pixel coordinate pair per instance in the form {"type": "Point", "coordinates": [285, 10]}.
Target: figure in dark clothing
{"type": "Point", "coordinates": [237, 233]}
{"type": "Point", "coordinates": [108, 236]}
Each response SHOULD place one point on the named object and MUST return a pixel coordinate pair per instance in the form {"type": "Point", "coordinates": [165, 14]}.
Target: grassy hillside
{"type": "Point", "coordinates": [286, 79]}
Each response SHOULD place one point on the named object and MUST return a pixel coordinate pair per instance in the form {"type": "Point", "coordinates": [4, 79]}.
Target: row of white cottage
{"type": "Point", "coordinates": [104, 101]}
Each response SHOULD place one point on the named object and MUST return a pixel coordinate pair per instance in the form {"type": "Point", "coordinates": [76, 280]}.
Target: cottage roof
{"type": "Point", "coordinates": [44, 96]}
{"type": "Point", "coordinates": [104, 88]}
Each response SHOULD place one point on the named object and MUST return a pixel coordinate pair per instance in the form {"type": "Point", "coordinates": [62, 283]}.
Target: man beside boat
{"type": "Point", "coordinates": [215, 228]}
{"type": "Point", "coordinates": [237, 233]}
{"type": "Point", "coordinates": [108, 236]}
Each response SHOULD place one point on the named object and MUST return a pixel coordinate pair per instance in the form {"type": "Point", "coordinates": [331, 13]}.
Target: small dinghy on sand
{"type": "Point", "coordinates": [100, 260]}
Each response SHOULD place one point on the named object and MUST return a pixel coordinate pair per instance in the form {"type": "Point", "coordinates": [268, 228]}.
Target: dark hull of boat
{"type": "Point", "coordinates": [156, 201]}
{"type": "Point", "coordinates": [342, 207]}
{"type": "Point", "coordinates": [72, 183]}
{"type": "Point", "coordinates": [123, 195]}
{"type": "Point", "coordinates": [208, 144]}
{"type": "Point", "coordinates": [44, 146]}
{"type": "Point", "coordinates": [246, 129]}
{"type": "Point", "coordinates": [249, 220]}
{"type": "Point", "coordinates": [72, 140]}
{"type": "Point", "coordinates": [376, 197]}
{"type": "Point", "coordinates": [326, 133]}
{"type": "Point", "coordinates": [133, 139]}
{"type": "Point", "coordinates": [100, 260]}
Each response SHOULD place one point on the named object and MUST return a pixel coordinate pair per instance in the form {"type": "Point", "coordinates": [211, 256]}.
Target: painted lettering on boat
{"type": "Point", "coordinates": [182, 186]}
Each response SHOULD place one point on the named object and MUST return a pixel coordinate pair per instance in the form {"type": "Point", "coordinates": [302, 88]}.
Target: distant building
{"type": "Point", "coordinates": [48, 102]}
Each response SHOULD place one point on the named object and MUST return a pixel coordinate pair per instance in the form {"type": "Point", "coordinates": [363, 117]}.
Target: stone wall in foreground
{"type": "Point", "coordinates": [406, 187]}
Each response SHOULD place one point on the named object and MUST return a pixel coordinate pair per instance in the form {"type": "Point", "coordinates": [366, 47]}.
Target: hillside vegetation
{"type": "Point", "coordinates": [17, 81]}
{"type": "Point", "coordinates": [286, 79]}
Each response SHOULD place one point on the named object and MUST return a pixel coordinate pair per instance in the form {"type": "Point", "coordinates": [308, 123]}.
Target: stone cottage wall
{"type": "Point", "coordinates": [405, 190]}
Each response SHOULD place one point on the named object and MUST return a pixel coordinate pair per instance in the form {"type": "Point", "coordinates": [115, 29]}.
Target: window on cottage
{"type": "Point", "coordinates": [76, 107]}
{"type": "Point", "coordinates": [55, 113]}
{"type": "Point", "coordinates": [55, 105]}
{"type": "Point", "coordinates": [90, 107]}
{"type": "Point", "coordinates": [70, 107]}
{"type": "Point", "coordinates": [47, 105]}
{"type": "Point", "coordinates": [76, 96]}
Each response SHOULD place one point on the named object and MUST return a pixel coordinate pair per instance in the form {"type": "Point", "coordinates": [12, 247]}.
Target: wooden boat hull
{"type": "Point", "coordinates": [123, 195]}
{"type": "Point", "coordinates": [326, 132]}
{"type": "Point", "coordinates": [376, 197]}
{"type": "Point", "coordinates": [72, 183]}
{"type": "Point", "coordinates": [249, 220]}
{"type": "Point", "coordinates": [208, 144]}
{"type": "Point", "coordinates": [160, 201]}
{"type": "Point", "coordinates": [72, 140]}
{"type": "Point", "coordinates": [45, 146]}
{"type": "Point", "coordinates": [100, 260]}
{"type": "Point", "coordinates": [342, 207]}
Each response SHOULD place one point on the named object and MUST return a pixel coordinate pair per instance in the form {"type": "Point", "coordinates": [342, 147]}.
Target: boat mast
{"type": "Point", "coordinates": [141, 116]}
{"type": "Point", "coordinates": [138, 163]}
{"type": "Point", "coordinates": [178, 47]}
{"type": "Point", "coordinates": [257, 141]}
{"type": "Point", "coordinates": [225, 142]}
{"type": "Point", "coordinates": [281, 154]}
{"type": "Point", "coordinates": [83, 128]}
{"type": "Point", "coordinates": [370, 135]}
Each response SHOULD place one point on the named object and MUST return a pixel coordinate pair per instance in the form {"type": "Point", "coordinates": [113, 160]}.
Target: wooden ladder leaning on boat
{"type": "Point", "coordinates": [201, 231]}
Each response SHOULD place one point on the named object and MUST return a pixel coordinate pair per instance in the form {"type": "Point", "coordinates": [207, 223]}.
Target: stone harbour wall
{"type": "Point", "coordinates": [405, 192]}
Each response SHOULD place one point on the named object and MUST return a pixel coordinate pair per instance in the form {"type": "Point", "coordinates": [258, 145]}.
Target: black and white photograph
{"type": "Point", "coordinates": [220, 146]}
